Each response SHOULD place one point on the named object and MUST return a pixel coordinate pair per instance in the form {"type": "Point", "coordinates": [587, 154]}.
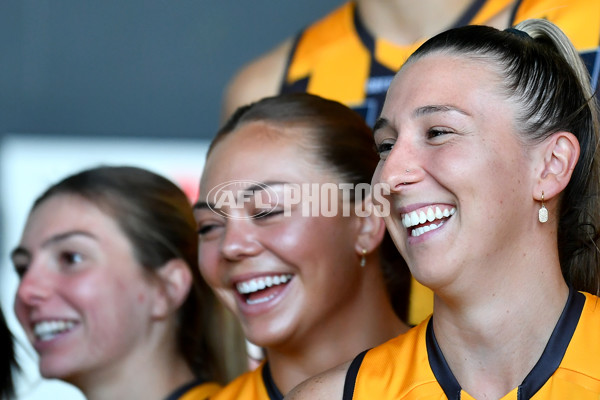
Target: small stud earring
{"type": "Point", "coordinates": [363, 258]}
{"type": "Point", "coordinates": [543, 213]}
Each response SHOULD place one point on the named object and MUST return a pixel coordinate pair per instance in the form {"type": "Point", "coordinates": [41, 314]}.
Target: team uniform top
{"type": "Point", "coordinates": [253, 385]}
{"type": "Point", "coordinates": [412, 365]}
{"type": "Point", "coordinates": [196, 390]}
{"type": "Point", "coordinates": [337, 58]}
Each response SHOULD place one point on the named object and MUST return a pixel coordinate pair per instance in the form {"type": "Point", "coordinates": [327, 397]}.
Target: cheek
{"type": "Point", "coordinates": [209, 260]}
{"type": "Point", "coordinates": [21, 313]}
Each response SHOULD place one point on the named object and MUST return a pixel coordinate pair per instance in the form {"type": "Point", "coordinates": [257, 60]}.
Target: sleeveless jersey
{"type": "Point", "coordinates": [412, 365]}
{"type": "Point", "coordinates": [196, 390]}
{"type": "Point", "coordinates": [253, 385]}
{"type": "Point", "coordinates": [337, 58]}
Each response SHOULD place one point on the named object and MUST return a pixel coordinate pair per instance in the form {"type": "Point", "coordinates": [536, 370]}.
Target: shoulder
{"type": "Point", "coordinates": [260, 78]}
{"type": "Point", "coordinates": [326, 385]}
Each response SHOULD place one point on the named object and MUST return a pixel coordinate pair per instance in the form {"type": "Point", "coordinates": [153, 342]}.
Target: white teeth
{"type": "Point", "coordinates": [414, 219]}
{"type": "Point", "coordinates": [47, 330]}
{"type": "Point", "coordinates": [254, 285]}
{"type": "Point", "coordinates": [424, 229]}
{"type": "Point", "coordinates": [430, 214]}
{"type": "Point", "coordinates": [260, 300]}
{"type": "Point", "coordinates": [420, 217]}
{"type": "Point", "coordinates": [438, 213]}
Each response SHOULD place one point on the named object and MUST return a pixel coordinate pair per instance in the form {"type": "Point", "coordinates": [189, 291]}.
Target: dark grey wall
{"type": "Point", "coordinates": [132, 67]}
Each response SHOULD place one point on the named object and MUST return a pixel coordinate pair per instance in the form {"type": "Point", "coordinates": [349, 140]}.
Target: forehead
{"type": "Point", "coordinates": [67, 212]}
{"type": "Point", "coordinates": [443, 78]}
{"type": "Point", "coordinates": [260, 151]}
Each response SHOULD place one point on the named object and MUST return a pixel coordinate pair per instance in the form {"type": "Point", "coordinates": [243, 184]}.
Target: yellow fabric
{"type": "Point", "coordinates": [399, 369]}
{"type": "Point", "coordinates": [578, 19]}
{"type": "Point", "coordinates": [421, 303]}
{"type": "Point", "coordinates": [201, 392]}
{"type": "Point", "coordinates": [248, 386]}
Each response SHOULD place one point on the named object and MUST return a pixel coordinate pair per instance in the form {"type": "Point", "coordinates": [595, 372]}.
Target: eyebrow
{"type": "Point", "coordinates": [202, 205]}
{"type": "Point", "coordinates": [22, 251]}
{"type": "Point", "coordinates": [432, 109]}
{"type": "Point", "coordinates": [421, 111]}
{"type": "Point", "coordinates": [380, 124]}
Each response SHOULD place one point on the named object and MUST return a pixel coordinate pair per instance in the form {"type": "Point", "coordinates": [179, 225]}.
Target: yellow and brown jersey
{"type": "Point", "coordinates": [253, 385]}
{"type": "Point", "coordinates": [197, 390]}
{"type": "Point", "coordinates": [337, 58]}
{"type": "Point", "coordinates": [412, 365]}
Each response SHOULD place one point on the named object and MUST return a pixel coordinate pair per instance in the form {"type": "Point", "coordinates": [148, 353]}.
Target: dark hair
{"type": "Point", "coordinates": [9, 366]}
{"type": "Point", "coordinates": [543, 74]}
{"type": "Point", "coordinates": [340, 141]}
{"type": "Point", "coordinates": [157, 218]}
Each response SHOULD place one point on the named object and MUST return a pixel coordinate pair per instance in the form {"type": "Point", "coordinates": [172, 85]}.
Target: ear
{"type": "Point", "coordinates": [174, 283]}
{"type": "Point", "coordinates": [560, 155]}
{"type": "Point", "coordinates": [371, 228]}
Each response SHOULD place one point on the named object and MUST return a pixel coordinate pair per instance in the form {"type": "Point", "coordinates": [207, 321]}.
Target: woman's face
{"type": "Point", "coordinates": [287, 276]}
{"type": "Point", "coordinates": [83, 299]}
{"type": "Point", "coordinates": [460, 178]}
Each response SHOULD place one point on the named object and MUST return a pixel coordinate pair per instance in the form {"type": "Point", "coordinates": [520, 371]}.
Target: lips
{"type": "Point", "coordinates": [426, 219]}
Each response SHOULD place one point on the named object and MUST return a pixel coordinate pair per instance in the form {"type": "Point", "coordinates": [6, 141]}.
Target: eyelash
{"type": "Point", "coordinates": [267, 214]}
{"type": "Point", "coordinates": [384, 148]}
{"type": "Point", "coordinates": [435, 132]}
{"type": "Point", "coordinates": [205, 230]}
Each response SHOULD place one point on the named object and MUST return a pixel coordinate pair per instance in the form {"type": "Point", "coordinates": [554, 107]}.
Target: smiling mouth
{"type": "Point", "coordinates": [263, 289]}
{"type": "Point", "coordinates": [427, 219]}
{"type": "Point", "coordinates": [48, 330]}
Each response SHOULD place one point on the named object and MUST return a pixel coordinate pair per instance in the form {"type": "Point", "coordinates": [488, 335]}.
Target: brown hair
{"type": "Point", "coordinates": [157, 218]}
{"type": "Point", "coordinates": [340, 140]}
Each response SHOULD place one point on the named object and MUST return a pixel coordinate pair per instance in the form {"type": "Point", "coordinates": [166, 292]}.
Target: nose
{"type": "Point", "coordinates": [241, 240]}
{"type": "Point", "coordinates": [402, 167]}
{"type": "Point", "coordinates": [35, 287]}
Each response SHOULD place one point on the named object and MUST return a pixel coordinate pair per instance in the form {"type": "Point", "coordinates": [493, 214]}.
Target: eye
{"type": "Point", "coordinates": [209, 230]}
{"type": "Point", "coordinates": [70, 257]}
{"type": "Point", "coordinates": [264, 214]}
{"type": "Point", "coordinates": [206, 229]}
{"type": "Point", "coordinates": [21, 269]}
{"type": "Point", "coordinates": [20, 263]}
{"type": "Point", "coordinates": [433, 133]}
{"type": "Point", "coordinates": [384, 148]}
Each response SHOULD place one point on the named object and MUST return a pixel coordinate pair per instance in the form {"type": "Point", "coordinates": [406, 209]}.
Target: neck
{"type": "Point", "coordinates": [366, 321]}
{"type": "Point", "coordinates": [145, 375]}
{"type": "Point", "coordinates": [493, 333]}
{"type": "Point", "coordinates": [405, 22]}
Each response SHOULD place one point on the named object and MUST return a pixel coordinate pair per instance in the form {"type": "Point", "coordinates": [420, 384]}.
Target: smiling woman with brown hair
{"type": "Point", "coordinates": [110, 294]}
{"type": "Point", "coordinates": [312, 290]}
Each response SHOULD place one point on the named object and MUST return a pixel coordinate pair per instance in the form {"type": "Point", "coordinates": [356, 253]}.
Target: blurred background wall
{"type": "Point", "coordinates": [135, 82]}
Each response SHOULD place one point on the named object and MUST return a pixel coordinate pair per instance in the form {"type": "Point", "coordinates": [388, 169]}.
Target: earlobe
{"type": "Point", "coordinates": [371, 230]}
{"type": "Point", "coordinates": [561, 152]}
{"type": "Point", "coordinates": [174, 283]}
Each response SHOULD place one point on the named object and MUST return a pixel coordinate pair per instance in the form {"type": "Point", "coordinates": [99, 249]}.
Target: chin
{"type": "Point", "coordinates": [265, 336]}
{"type": "Point", "coordinates": [50, 371]}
